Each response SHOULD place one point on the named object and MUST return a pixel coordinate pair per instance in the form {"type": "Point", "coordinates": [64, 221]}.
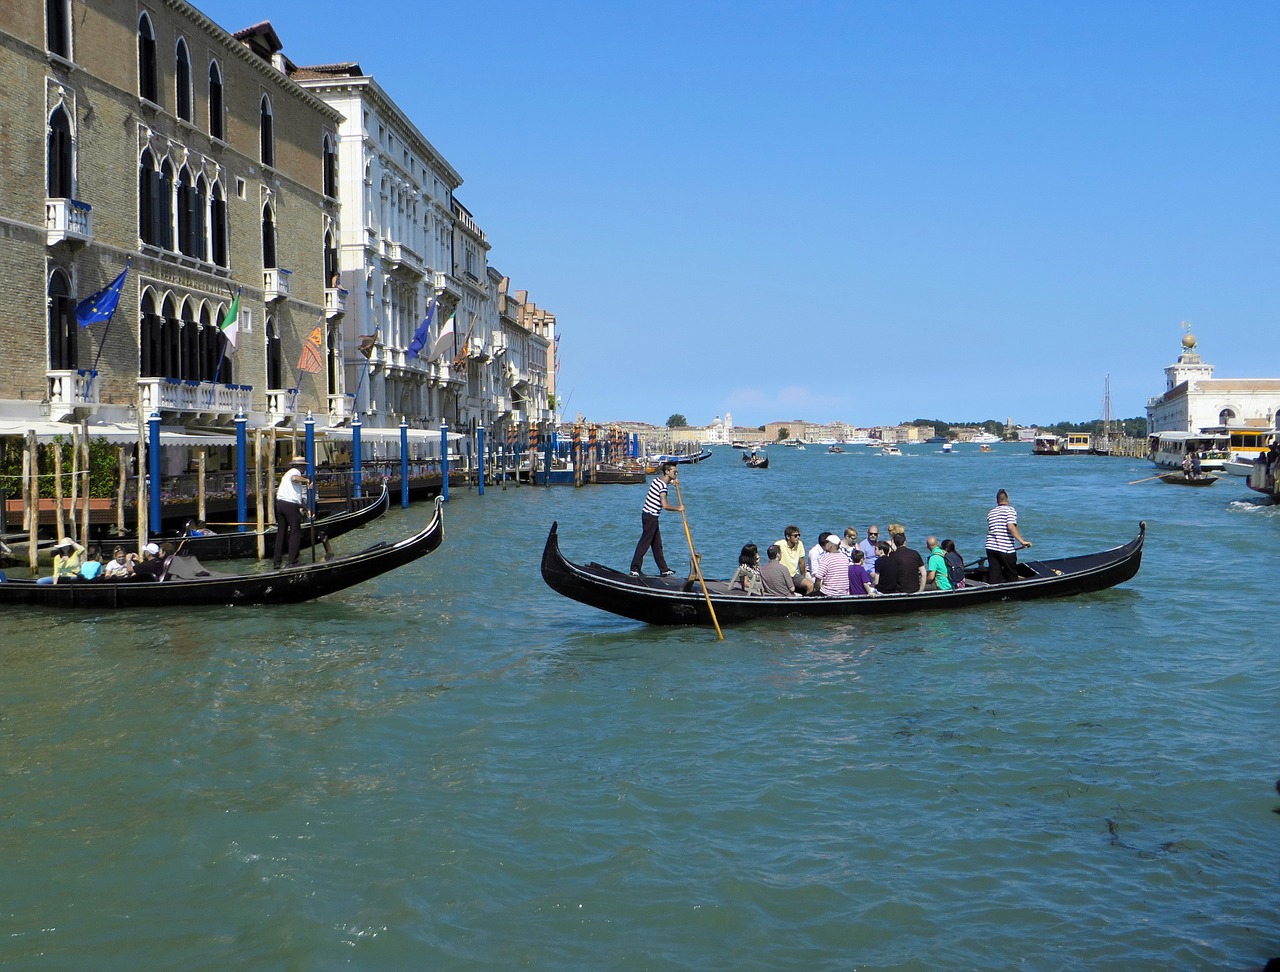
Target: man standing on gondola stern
{"type": "Point", "coordinates": [655, 501]}
{"type": "Point", "coordinates": [290, 497]}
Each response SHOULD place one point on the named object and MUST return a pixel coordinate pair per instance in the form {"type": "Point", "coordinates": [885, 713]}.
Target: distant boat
{"type": "Point", "coordinates": [835, 449]}
{"type": "Point", "coordinates": [1046, 445]}
{"type": "Point", "coordinates": [1178, 479]}
{"type": "Point", "coordinates": [946, 446]}
{"type": "Point", "coordinates": [986, 437]}
{"type": "Point", "coordinates": [891, 450]}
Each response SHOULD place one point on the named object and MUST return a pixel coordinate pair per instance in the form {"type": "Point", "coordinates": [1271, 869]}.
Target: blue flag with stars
{"type": "Point", "coordinates": [99, 307]}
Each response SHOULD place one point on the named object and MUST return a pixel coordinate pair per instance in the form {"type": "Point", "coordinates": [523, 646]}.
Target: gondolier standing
{"type": "Point", "coordinates": [655, 502]}
{"type": "Point", "coordinates": [1003, 541]}
{"type": "Point", "coordinates": [290, 497]}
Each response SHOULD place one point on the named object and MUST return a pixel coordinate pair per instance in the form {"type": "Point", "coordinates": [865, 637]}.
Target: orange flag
{"type": "Point", "coordinates": [312, 358]}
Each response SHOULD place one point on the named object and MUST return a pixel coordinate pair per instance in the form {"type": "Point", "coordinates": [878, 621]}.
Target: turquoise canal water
{"type": "Point", "coordinates": [454, 768]}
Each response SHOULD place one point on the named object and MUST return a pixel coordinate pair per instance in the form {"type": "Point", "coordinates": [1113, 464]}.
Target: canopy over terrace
{"type": "Point", "coordinates": [423, 443]}
{"type": "Point", "coordinates": [114, 432]}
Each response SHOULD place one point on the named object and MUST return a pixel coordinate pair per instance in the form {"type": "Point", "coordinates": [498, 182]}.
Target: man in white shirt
{"type": "Point", "coordinates": [290, 497]}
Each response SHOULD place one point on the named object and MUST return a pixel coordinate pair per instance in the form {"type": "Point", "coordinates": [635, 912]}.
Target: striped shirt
{"type": "Point", "coordinates": [653, 500]}
{"type": "Point", "coordinates": [833, 571]}
{"type": "Point", "coordinates": [998, 535]}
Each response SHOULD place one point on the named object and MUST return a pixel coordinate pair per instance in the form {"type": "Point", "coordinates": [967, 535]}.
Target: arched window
{"type": "Point", "coordinates": [62, 323]}
{"type": "Point", "coordinates": [199, 219]}
{"type": "Point", "coordinates": [186, 193]}
{"type": "Point", "coordinates": [330, 154]}
{"type": "Point", "coordinates": [223, 367]}
{"type": "Point", "coordinates": [57, 25]}
{"type": "Point", "coordinates": [266, 132]}
{"type": "Point", "coordinates": [164, 218]}
{"type": "Point", "coordinates": [148, 85]}
{"type": "Point", "coordinates": [209, 347]}
{"type": "Point", "coordinates": [182, 96]}
{"type": "Point", "coordinates": [268, 238]}
{"type": "Point", "coordinates": [150, 205]}
{"type": "Point", "coordinates": [275, 372]}
{"type": "Point", "coordinates": [217, 117]}
{"type": "Point", "coordinates": [149, 338]}
{"type": "Point", "coordinates": [1226, 416]}
{"type": "Point", "coordinates": [188, 343]}
{"type": "Point", "coordinates": [170, 341]}
{"type": "Point", "coordinates": [218, 226]}
{"type": "Point", "coordinates": [332, 360]}
{"type": "Point", "coordinates": [330, 259]}
{"type": "Point", "coordinates": [61, 162]}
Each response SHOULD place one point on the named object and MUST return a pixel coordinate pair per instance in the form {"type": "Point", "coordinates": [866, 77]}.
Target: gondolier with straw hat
{"type": "Point", "coordinates": [290, 497]}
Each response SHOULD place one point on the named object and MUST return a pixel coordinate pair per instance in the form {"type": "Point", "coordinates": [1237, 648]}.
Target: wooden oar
{"type": "Point", "coordinates": [1147, 480]}
{"type": "Point", "coordinates": [697, 567]}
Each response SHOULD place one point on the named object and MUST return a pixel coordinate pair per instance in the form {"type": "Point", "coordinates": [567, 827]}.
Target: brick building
{"type": "Point", "coordinates": [143, 134]}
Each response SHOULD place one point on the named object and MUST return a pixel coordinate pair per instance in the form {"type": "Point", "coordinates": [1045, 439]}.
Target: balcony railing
{"type": "Point", "coordinates": [69, 390]}
{"type": "Point", "coordinates": [186, 395]}
{"type": "Point", "coordinates": [445, 283]}
{"type": "Point", "coordinates": [282, 404]}
{"type": "Point", "coordinates": [68, 219]}
{"type": "Point", "coordinates": [341, 407]}
{"type": "Point", "coordinates": [335, 302]}
{"type": "Point", "coordinates": [275, 283]}
{"type": "Point", "coordinates": [401, 257]}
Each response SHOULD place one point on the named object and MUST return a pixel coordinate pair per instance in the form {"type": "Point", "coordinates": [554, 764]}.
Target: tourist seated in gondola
{"type": "Point", "coordinates": [120, 566]}
{"type": "Point", "coordinates": [816, 551]}
{"type": "Point", "coordinates": [937, 576]}
{"type": "Point", "coordinates": [955, 564]}
{"type": "Point", "coordinates": [67, 558]}
{"type": "Point", "coordinates": [859, 578]}
{"type": "Point", "coordinates": [793, 558]}
{"type": "Point", "coordinates": [151, 566]}
{"type": "Point", "coordinates": [746, 579]}
{"type": "Point", "coordinates": [903, 571]}
{"type": "Point", "coordinates": [91, 569]}
{"type": "Point", "coordinates": [775, 579]}
{"type": "Point", "coordinates": [831, 577]}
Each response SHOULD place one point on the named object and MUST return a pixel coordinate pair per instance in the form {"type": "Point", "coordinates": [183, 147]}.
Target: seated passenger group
{"type": "Point", "coordinates": [838, 565]}
{"type": "Point", "coordinates": [71, 562]}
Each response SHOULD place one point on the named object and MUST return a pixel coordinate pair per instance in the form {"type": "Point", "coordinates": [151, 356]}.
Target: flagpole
{"type": "Point", "coordinates": [93, 372]}
{"type": "Point", "coordinates": [364, 369]}
{"type": "Point", "coordinates": [222, 333]}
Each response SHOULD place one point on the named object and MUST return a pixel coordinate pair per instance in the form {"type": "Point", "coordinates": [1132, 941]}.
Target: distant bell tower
{"type": "Point", "coordinates": [1188, 367]}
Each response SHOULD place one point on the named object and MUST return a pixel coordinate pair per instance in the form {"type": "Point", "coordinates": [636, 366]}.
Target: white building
{"type": "Point", "coordinates": [1194, 400]}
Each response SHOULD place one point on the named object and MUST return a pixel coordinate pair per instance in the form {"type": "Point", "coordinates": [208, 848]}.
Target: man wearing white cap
{"type": "Point", "coordinates": [290, 496]}
{"type": "Point", "coordinates": [152, 566]}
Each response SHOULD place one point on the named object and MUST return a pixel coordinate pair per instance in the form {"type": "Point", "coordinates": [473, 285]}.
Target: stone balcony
{"type": "Point", "coordinates": [445, 283]}
{"type": "Point", "coordinates": [68, 220]}
{"type": "Point", "coordinates": [282, 405]}
{"type": "Point", "coordinates": [341, 408]}
{"type": "Point", "coordinates": [402, 259]}
{"type": "Point", "coordinates": [275, 284]}
{"type": "Point", "coordinates": [193, 397]}
{"type": "Point", "coordinates": [335, 302]}
{"type": "Point", "coordinates": [70, 390]}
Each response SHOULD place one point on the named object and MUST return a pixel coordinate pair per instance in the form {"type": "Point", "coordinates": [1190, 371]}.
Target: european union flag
{"type": "Point", "coordinates": [420, 335]}
{"type": "Point", "coordinates": [99, 307]}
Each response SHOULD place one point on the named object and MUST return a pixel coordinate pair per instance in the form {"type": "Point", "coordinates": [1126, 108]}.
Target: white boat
{"type": "Point", "coordinates": [891, 450]}
{"type": "Point", "coordinates": [946, 447]}
{"type": "Point", "coordinates": [1234, 467]}
{"type": "Point", "coordinates": [986, 437]}
{"type": "Point", "coordinates": [1168, 449]}
{"type": "Point", "coordinates": [1047, 445]}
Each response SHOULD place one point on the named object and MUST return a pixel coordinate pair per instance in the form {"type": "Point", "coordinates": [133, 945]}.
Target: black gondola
{"type": "Point", "coordinates": [188, 584]}
{"type": "Point", "coordinates": [756, 462]}
{"type": "Point", "coordinates": [234, 546]}
{"type": "Point", "coordinates": [673, 600]}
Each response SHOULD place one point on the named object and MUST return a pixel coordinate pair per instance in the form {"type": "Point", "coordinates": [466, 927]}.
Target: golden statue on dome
{"type": "Point", "coordinates": [1188, 339]}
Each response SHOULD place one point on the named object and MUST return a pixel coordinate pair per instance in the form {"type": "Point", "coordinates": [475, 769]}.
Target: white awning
{"type": "Point", "coordinates": [114, 432]}
{"type": "Point", "coordinates": [343, 434]}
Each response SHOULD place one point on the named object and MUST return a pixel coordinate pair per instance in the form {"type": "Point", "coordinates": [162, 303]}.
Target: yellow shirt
{"type": "Point", "coordinates": [792, 558]}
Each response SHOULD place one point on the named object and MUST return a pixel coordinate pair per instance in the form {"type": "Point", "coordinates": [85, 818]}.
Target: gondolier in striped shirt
{"type": "Point", "coordinates": [655, 501]}
{"type": "Point", "coordinates": [1003, 541]}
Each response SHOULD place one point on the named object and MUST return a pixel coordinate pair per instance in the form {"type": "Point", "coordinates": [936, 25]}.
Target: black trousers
{"type": "Point", "coordinates": [288, 524]}
{"type": "Point", "coordinates": [1003, 567]}
{"type": "Point", "coordinates": [650, 539]}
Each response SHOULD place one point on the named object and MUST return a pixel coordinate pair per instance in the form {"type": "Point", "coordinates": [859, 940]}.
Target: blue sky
{"type": "Point", "coordinates": [869, 212]}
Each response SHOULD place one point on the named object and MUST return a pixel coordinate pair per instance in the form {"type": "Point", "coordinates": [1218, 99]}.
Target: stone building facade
{"type": "Point", "coordinates": [144, 135]}
{"type": "Point", "coordinates": [1194, 400]}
